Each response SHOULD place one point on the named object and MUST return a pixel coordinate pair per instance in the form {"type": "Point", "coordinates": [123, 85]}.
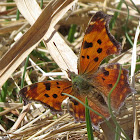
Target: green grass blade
{"type": "Point", "coordinates": [23, 77]}
{"type": "Point", "coordinates": [88, 122]}
{"type": "Point", "coordinates": [40, 55]}
{"type": "Point", "coordinates": [71, 33]}
{"type": "Point", "coordinates": [135, 6]}
{"type": "Point", "coordinates": [17, 15]}
{"type": "Point", "coordinates": [116, 134]}
{"type": "Point", "coordinates": [125, 27]}
{"type": "Point", "coordinates": [4, 92]}
{"type": "Point", "coordinates": [3, 97]}
{"type": "Point", "coordinates": [114, 18]}
{"type": "Point", "coordinates": [25, 67]}
{"type": "Point", "coordinates": [41, 4]}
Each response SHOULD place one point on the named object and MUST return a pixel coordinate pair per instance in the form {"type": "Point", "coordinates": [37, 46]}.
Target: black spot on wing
{"type": "Point", "coordinates": [99, 41]}
{"type": "Point", "coordinates": [46, 95]}
{"type": "Point", "coordinates": [110, 85]}
{"type": "Point", "coordinates": [96, 59]}
{"type": "Point", "coordinates": [103, 78]}
{"type": "Point", "coordinates": [99, 50]}
{"type": "Point", "coordinates": [87, 45]}
{"type": "Point", "coordinates": [87, 56]}
{"type": "Point", "coordinates": [47, 85]}
{"type": "Point", "coordinates": [106, 73]}
{"type": "Point", "coordinates": [75, 102]}
{"type": "Point", "coordinates": [62, 94]}
{"type": "Point", "coordinates": [54, 95]}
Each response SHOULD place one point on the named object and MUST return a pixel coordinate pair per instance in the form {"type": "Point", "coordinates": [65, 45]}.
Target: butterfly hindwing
{"type": "Point", "coordinates": [77, 110]}
{"type": "Point", "coordinates": [48, 93]}
{"type": "Point", "coordinates": [97, 44]}
{"type": "Point", "coordinates": [105, 78]}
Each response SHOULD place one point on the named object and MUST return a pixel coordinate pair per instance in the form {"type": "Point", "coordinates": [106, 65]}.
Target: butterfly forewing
{"type": "Point", "coordinates": [49, 93]}
{"type": "Point", "coordinates": [97, 44]}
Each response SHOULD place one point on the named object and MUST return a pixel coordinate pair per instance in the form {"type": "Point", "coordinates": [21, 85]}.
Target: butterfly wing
{"type": "Point", "coordinates": [48, 93]}
{"type": "Point", "coordinates": [97, 44]}
{"type": "Point", "coordinates": [105, 78]}
{"type": "Point", "coordinates": [77, 110]}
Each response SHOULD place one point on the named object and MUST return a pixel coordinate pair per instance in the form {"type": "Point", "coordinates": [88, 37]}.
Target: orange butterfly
{"type": "Point", "coordinates": [92, 82]}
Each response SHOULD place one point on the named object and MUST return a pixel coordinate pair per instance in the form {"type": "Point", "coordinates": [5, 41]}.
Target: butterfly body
{"type": "Point", "coordinates": [79, 83]}
{"type": "Point", "coordinates": [82, 86]}
{"type": "Point", "coordinates": [92, 81]}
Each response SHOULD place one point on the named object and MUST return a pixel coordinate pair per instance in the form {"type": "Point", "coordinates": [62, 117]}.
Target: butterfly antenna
{"type": "Point", "coordinates": [61, 57]}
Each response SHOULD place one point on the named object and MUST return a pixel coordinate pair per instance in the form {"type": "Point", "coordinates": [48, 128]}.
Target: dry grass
{"type": "Point", "coordinates": [18, 38]}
